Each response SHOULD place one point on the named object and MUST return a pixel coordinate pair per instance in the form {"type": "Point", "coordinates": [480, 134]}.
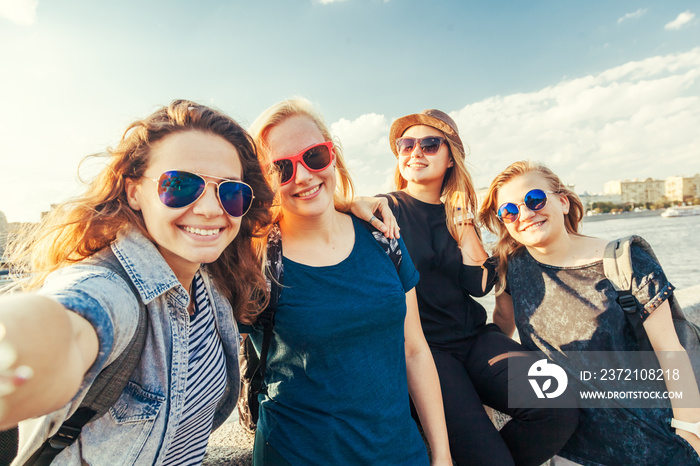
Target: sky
{"type": "Point", "coordinates": [597, 90]}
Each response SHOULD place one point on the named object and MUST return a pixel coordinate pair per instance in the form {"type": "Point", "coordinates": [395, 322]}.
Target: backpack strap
{"type": "Point", "coordinates": [109, 383]}
{"type": "Point", "coordinates": [617, 265]}
{"type": "Point", "coordinates": [273, 275]}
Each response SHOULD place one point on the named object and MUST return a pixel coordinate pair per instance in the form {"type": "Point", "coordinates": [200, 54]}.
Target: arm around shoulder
{"type": "Point", "coordinates": [59, 345]}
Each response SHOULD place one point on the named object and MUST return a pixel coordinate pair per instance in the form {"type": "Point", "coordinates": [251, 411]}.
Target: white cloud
{"type": "Point", "coordinates": [636, 120]}
{"type": "Point", "coordinates": [681, 20]}
{"type": "Point", "coordinates": [366, 149]}
{"type": "Point", "coordinates": [326, 2]}
{"type": "Point", "coordinates": [634, 15]}
{"type": "Point", "coordinates": [19, 11]}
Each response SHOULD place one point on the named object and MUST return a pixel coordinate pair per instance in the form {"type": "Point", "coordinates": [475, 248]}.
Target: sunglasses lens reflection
{"type": "Point", "coordinates": [286, 170]}
{"type": "Point", "coordinates": [535, 199]}
{"type": "Point", "coordinates": [508, 212]}
{"type": "Point", "coordinates": [317, 158]}
{"type": "Point", "coordinates": [179, 189]}
{"type": "Point", "coordinates": [405, 145]}
{"type": "Point", "coordinates": [430, 146]}
{"type": "Point", "coordinates": [235, 197]}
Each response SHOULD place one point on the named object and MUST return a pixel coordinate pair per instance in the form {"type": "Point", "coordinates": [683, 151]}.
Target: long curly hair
{"type": "Point", "coordinates": [506, 246]}
{"type": "Point", "coordinates": [457, 192]}
{"type": "Point", "coordinates": [80, 227]}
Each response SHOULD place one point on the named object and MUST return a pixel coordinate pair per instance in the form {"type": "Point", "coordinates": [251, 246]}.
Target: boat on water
{"type": "Point", "coordinates": [681, 211]}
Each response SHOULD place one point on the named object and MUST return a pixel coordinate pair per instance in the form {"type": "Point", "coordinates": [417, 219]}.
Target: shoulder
{"type": "Point", "coordinates": [642, 255]}
{"type": "Point", "coordinates": [645, 266]}
{"type": "Point", "coordinates": [99, 295]}
{"type": "Point", "coordinates": [519, 258]}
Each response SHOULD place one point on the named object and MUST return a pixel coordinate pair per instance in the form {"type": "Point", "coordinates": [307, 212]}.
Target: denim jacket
{"type": "Point", "coordinates": [142, 423]}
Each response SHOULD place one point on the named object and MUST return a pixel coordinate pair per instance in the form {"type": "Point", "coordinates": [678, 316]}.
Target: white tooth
{"type": "Point", "coordinates": [309, 193]}
{"type": "Point", "coordinates": [199, 231]}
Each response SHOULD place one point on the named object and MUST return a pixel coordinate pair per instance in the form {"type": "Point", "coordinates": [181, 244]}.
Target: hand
{"type": "Point", "coordinates": [10, 379]}
{"type": "Point", "coordinates": [376, 211]}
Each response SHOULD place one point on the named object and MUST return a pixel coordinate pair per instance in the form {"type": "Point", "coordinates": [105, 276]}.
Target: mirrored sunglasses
{"type": "Point", "coordinates": [315, 158]}
{"type": "Point", "coordinates": [428, 145]}
{"type": "Point", "coordinates": [178, 188]}
{"type": "Point", "coordinates": [534, 200]}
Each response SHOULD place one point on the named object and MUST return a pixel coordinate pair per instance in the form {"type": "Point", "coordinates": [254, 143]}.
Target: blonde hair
{"type": "Point", "coordinates": [299, 106]}
{"type": "Point", "coordinates": [80, 227]}
{"type": "Point", "coordinates": [457, 191]}
{"type": "Point", "coordinates": [506, 246]}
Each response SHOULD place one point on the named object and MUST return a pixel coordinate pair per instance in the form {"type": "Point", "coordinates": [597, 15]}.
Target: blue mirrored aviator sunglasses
{"type": "Point", "coordinates": [177, 188]}
{"type": "Point", "coordinates": [534, 200]}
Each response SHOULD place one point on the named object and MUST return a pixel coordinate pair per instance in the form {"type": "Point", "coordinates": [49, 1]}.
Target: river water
{"type": "Point", "coordinates": [676, 242]}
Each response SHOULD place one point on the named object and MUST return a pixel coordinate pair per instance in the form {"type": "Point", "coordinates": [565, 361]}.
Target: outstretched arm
{"type": "Point", "coordinates": [424, 385]}
{"type": "Point", "coordinates": [57, 344]}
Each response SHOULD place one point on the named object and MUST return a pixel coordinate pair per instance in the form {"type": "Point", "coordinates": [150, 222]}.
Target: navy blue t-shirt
{"type": "Point", "coordinates": [337, 389]}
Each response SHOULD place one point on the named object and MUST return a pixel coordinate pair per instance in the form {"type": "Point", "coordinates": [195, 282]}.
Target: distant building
{"type": "Point", "coordinates": [679, 188]}
{"type": "Point", "coordinates": [636, 191]}
{"type": "Point", "coordinates": [589, 199]}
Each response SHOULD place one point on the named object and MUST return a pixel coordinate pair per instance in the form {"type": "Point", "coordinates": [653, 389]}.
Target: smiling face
{"type": "Point", "coordinates": [540, 228]}
{"type": "Point", "coordinates": [308, 194]}
{"type": "Point", "coordinates": [421, 169]}
{"type": "Point", "coordinates": [198, 233]}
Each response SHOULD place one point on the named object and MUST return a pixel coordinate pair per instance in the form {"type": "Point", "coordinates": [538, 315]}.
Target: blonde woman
{"type": "Point", "coordinates": [177, 204]}
{"type": "Point", "coordinates": [347, 347]}
{"type": "Point", "coordinates": [434, 207]}
{"type": "Point", "coordinates": [553, 288]}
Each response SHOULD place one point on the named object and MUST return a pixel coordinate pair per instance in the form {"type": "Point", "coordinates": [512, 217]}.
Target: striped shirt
{"type": "Point", "coordinates": [206, 382]}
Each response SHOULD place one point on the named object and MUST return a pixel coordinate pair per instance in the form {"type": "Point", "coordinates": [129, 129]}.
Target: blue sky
{"type": "Point", "coordinates": [597, 90]}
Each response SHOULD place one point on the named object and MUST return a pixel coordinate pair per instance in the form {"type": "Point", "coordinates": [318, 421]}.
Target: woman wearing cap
{"type": "Point", "coordinates": [434, 209]}
{"type": "Point", "coordinates": [347, 346]}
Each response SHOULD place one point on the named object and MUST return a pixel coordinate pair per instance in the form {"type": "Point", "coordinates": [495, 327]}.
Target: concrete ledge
{"type": "Point", "coordinates": [231, 445]}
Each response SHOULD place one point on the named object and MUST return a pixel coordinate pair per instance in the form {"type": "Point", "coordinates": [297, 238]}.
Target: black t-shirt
{"type": "Point", "coordinates": [449, 315]}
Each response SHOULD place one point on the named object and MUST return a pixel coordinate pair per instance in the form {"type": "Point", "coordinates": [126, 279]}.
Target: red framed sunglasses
{"type": "Point", "coordinates": [315, 158]}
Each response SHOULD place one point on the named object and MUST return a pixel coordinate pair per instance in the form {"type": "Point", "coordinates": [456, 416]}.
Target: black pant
{"type": "Point", "coordinates": [468, 380]}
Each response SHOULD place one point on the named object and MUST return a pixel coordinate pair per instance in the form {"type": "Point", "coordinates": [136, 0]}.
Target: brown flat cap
{"type": "Point", "coordinates": [431, 117]}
